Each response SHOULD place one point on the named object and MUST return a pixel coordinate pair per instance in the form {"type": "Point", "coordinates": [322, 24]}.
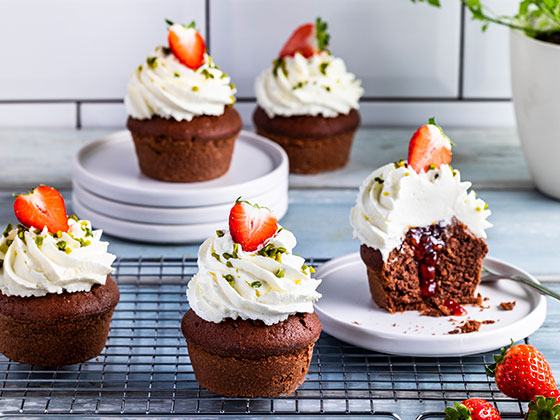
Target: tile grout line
{"type": "Point", "coordinates": [78, 115]}
{"type": "Point", "coordinates": [461, 75]}
{"type": "Point", "coordinates": [207, 21]}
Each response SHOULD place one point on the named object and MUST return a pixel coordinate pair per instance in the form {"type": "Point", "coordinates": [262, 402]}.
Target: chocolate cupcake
{"type": "Point", "coordinates": [180, 111]}
{"type": "Point", "coordinates": [247, 358]}
{"type": "Point", "coordinates": [308, 103]}
{"type": "Point", "coordinates": [56, 298]}
{"type": "Point", "coordinates": [421, 230]}
{"type": "Point", "coordinates": [251, 328]}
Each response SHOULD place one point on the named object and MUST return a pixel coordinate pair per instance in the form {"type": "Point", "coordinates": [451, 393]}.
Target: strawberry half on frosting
{"type": "Point", "coordinates": [309, 39]}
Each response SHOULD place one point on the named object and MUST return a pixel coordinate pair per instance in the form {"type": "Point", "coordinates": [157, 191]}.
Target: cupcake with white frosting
{"type": "Point", "coordinates": [56, 295]}
{"type": "Point", "coordinates": [422, 231]}
{"type": "Point", "coordinates": [251, 328]}
{"type": "Point", "coordinates": [308, 102]}
{"type": "Point", "coordinates": [180, 111]}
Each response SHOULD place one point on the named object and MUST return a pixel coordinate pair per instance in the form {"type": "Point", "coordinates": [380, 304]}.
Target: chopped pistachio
{"type": "Point", "coordinates": [140, 68]}
{"type": "Point", "coordinates": [327, 88]}
{"type": "Point", "coordinates": [485, 206]}
{"type": "Point", "coordinates": [8, 229]}
{"type": "Point", "coordinates": [229, 264]}
{"type": "Point", "coordinates": [256, 284]}
{"type": "Point", "coordinates": [194, 88]}
{"type": "Point", "coordinates": [478, 209]}
{"type": "Point", "coordinates": [73, 217]}
{"type": "Point", "coordinates": [58, 234]}
{"type": "Point", "coordinates": [61, 245]}
{"type": "Point", "coordinates": [299, 85]}
{"type": "Point", "coordinates": [386, 194]}
{"type": "Point", "coordinates": [176, 74]}
{"type": "Point", "coordinates": [220, 233]}
{"type": "Point", "coordinates": [229, 278]}
{"type": "Point", "coordinates": [323, 67]}
{"type": "Point", "coordinates": [152, 62]}
{"type": "Point", "coordinates": [223, 76]}
{"type": "Point", "coordinates": [207, 74]}
{"type": "Point", "coordinates": [236, 248]}
{"type": "Point", "coordinates": [166, 50]}
{"type": "Point", "coordinates": [4, 248]}
{"type": "Point", "coordinates": [399, 164]}
{"type": "Point", "coordinates": [68, 250]}
{"type": "Point", "coordinates": [232, 86]}
{"type": "Point", "coordinates": [432, 166]}
{"type": "Point", "coordinates": [280, 272]}
{"type": "Point", "coordinates": [216, 256]}
{"type": "Point", "coordinates": [226, 255]}
{"type": "Point", "coordinates": [311, 269]}
{"type": "Point", "coordinates": [278, 257]}
{"type": "Point", "coordinates": [407, 174]}
{"type": "Point", "coordinates": [379, 179]}
{"type": "Point", "coordinates": [1, 263]}
{"type": "Point", "coordinates": [277, 64]}
{"type": "Point", "coordinates": [83, 242]}
{"type": "Point", "coordinates": [38, 240]}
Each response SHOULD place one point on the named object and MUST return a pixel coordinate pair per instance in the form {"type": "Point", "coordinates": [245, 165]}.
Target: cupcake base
{"type": "Point", "coordinates": [57, 329]}
{"type": "Point", "coordinates": [249, 359]}
{"type": "Point", "coordinates": [186, 151]}
{"type": "Point", "coordinates": [314, 144]}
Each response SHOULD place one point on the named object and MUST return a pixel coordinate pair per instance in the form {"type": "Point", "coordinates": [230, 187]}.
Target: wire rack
{"type": "Point", "coordinates": [145, 369]}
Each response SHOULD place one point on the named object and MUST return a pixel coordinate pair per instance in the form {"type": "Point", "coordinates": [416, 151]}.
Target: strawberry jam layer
{"type": "Point", "coordinates": [427, 243]}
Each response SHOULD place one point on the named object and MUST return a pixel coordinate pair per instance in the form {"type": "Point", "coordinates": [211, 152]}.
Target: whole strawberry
{"type": "Point", "coordinates": [472, 409]}
{"type": "Point", "coordinates": [545, 407]}
{"type": "Point", "coordinates": [522, 372]}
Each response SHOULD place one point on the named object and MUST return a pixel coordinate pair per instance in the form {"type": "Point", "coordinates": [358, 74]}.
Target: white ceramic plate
{"type": "Point", "coordinates": [172, 215]}
{"type": "Point", "coordinates": [108, 168]}
{"type": "Point", "coordinates": [152, 233]}
{"type": "Point", "coordinates": [348, 313]}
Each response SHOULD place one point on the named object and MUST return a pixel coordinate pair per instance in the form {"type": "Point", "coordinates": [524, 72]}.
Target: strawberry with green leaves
{"type": "Point", "coordinates": [251, 225]}
{"type": "Point", "coordinates": [44, 206]}
{"type": "Point", "coordinates": [522, 372]}
{"type": "Point", "coordinates": [545, 407]}
{"type": "Point", "coordinates": [308, 40]}
{"type": "Point", "coordinates": [472, 409]}
{"type": "Point", "coordinates": [187, 44]}
{"type": "Point", "coordinates": [429, 148]}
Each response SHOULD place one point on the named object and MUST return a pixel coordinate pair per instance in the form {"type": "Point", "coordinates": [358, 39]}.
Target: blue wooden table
{"type": "Point", "coordinates": [526, 228]}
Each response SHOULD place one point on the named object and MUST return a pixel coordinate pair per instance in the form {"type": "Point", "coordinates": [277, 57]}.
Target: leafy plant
{"type": "Point", "coordinates": [534, 17]}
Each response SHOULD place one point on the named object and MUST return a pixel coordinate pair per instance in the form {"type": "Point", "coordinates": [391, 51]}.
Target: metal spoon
{"type": "Point", "coordinates": [488, 275]}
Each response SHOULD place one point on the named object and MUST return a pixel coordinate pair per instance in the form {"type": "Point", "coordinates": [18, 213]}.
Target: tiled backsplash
{"type": "Point", "coordinates": [66, 63]}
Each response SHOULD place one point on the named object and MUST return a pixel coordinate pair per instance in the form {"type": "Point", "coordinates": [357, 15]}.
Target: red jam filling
{"type": "Point", "coordinates": [427, 244]}
{"type": "Point", "coordinates": [454, 308]}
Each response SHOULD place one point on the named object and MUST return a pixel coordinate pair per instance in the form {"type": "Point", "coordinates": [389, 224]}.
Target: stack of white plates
{"type": "Point", "coordinates": [111, 192]}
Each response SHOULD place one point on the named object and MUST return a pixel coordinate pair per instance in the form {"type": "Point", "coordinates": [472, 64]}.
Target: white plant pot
{"type": "Point", "coordinates": [535, 76]}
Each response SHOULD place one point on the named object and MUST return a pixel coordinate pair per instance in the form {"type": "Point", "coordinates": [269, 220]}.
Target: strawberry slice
{"type": "Point", "coordinates": [429, 148]}
{"type": "Point", "coordinates": [44, 206]}
{"type": "Point", "coordinates": [187, 44]}
{"type": "Point", "coordinates": [308, 39]}
{"type": "Point", "coordinates": [251, 225]}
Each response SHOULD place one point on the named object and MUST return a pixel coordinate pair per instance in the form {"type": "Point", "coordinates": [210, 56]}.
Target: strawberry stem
{"type": "Point", "coordinates": [491, 369]}
{"type": "Point", "coordinates": [543, 409]}
{"type": "Point", "coordinates": [459, 412]}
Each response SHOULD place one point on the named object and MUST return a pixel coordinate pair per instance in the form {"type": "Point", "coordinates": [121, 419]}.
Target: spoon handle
{"type": "Point", "coordinates": [543, 290]}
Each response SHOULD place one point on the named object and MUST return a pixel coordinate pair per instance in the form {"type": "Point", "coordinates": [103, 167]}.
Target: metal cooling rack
{"type": "Point", "coordinates": [145, 370]}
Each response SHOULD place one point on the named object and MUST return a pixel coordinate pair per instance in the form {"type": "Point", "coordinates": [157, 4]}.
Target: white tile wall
{"type": "Point", "coordinates": [395, 47]}
{"type": "Point", "coordinates": [407, 55]}
{"type": "Point", "coordinates": [81, 49]}
{"type": "Point", "coordinates": [486, 66]}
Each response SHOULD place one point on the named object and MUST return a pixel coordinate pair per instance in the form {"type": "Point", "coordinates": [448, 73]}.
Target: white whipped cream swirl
{"type": "Point", "coordinates": [386, 210]}
{"type": "Point", "coordinates": [319, 85]}
{"type": "Point", "coordinates": [36, 263]}
{"type": "Point", "coordinates": [163, 86]}
{"type": "Point", "coordinates": [259, 287]}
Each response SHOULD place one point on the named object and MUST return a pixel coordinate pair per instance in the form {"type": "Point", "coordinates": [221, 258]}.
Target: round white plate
{"type": "Point", "coordinates": [152, 233]}
{"type": "Point", "coordinates": [348, 313]}
{"type": "Point", "coordinates": [108, 168]}
{"type": "Point", "coordinates": [172, 215]}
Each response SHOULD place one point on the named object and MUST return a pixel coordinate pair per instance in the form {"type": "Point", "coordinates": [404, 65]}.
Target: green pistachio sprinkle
{"type": "Point", "coordinates": [485, 206]}
{"type": "Point", "coordinates": [380, 180]}
{"type": "Point", "coordinates": [4, 248]}
{"type": "Point", "coordinates": [478, 209]}
{"type": "Point", "coordinates": [236, 248]}
{"type": "Point", "coordinates": [328, 88]}
{"type": "Point", "coordinates": [234, 255]}
{"type": "Point", "coordinates": [311, 269]}
{"type": "Point", "coordinates": [140, 68]}
{"type": "Point", "coordinates": [68, 250]}
{"type": "Point", "coordinates": [229, 278]}
{"type": "Point", "coordinates": [58, 234]}
{"type": "Point", "coordinates": [207, 74]}
{"type": "Point", "coordinates": [8, 229]}
{"type": "Point", "coordinates": [282, 250]}
{"type": "Point", "coordinates": [20, 235]}
{"type": "Point", "coordinates": [37, 231]}
{"type": "Point", "coordinates": [407, 174]}
{"type": "Point", "coordinates": [176, 74]}
{"type": "Point", "coordinates": [216, 256]}
{"type": "Point", "coordinates": [256, 284]}
{"type": "Point", "coordinates": [299, 85]}
{"type": "Point", "coordinates": [323, 68]}
{"type": "Point", "coordinates": [166, 50]}
{"type": "Point", "coordinates": [61, 245]}
{"type": "Point", "coordinates": [194, 88]}
{"type": "Point", "coordinates": [38, 240]}
{"type": "Point", "coordinates": [432, 166]}
{"type": "Point", "coordinates": [280, 273]}
{"type": "Point", "coordinates": [232, 86]}
{"type": "Point", "coordinates": [1, 263]}
{"type": "Point", "coordinates": [220, 233]}
{"type": "Point", "coordinates": [278, 257]}
{"type": "Point", "coordinates": [9, 242]}
{"type": "Point", "coordinates": [152, 62]}
{"type": "Point", "coordinates": [73, 217]}
{"type": "Point", "coordinates": [223, 76]}
{"type": "Point", "coordinates": [83, 242]}
{"type": "Point", "coordinates": [226, 255]}
{"type": "Point", "coordinates": [229, 264]}
{"type": "Point", "coordinates": [279, 64]}
{"type": "Point", "coordinates": [386, 194]}
{"type": "Point", "coordinates": [399, 164]}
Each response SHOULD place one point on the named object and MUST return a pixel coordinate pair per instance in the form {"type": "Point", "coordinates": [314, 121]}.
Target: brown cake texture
{"type": "Point", "coordinates": [186, 151]}
{"type": "Point", "coordinates": [314, 144]}
{"type": "Point", "coordinates": [57, 329]}
{"type": "Point", "coordinates": [398, 284]}
{"type": "Point", "coordinates": [244, 358]}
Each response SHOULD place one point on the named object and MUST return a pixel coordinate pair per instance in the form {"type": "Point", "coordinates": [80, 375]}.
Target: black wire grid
{"type": "Point", "coordinates": [145, 369]}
